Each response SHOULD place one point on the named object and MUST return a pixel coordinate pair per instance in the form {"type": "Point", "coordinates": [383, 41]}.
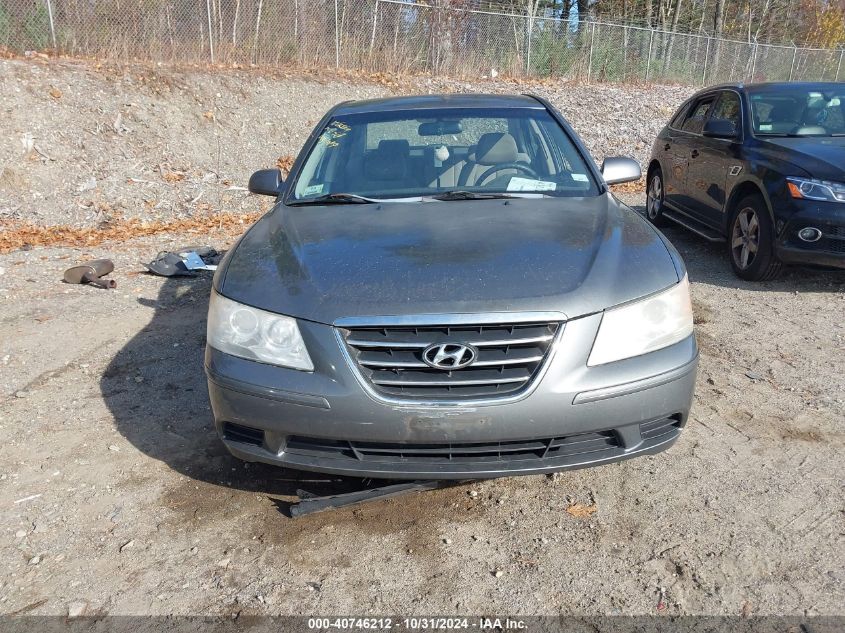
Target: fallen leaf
{"type": "Point", "coordinates": [580, 511]}
{"type": "Point", "coordinates": [55, 93]}
{"type": "Point", "coordinates": [285, 163]}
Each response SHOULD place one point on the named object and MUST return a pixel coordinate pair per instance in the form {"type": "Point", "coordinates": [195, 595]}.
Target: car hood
{"type": "Point", "coordinates": [572, 255]}
{"type": "Point", "coordinates": [821, 157]}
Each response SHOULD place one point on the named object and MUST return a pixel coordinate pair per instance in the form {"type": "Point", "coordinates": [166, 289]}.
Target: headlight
{"type": "Point", "coordinates": [644, 326]}
{"type": "Point", "coordinates": [810, 189]}
{"type": "Point", "coordinates": [251, 333]}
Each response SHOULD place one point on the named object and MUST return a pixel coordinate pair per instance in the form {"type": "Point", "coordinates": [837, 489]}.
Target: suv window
{"type": "Point", "coordinates": [678, 119]}
{"type": "Point", "coordinates": [727, 108]}
{"type": "Point", "coordinates": [697, 115]}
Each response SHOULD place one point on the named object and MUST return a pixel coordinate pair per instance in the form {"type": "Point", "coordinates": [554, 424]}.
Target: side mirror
{"type": "Point", "coordinates": [720, 128]}
{"type": "Point", "coordinates": [266, 182]}
{"type": "Point", "coordinates": [619, 169]}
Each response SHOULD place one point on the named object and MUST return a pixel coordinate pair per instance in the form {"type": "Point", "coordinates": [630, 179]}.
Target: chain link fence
{"type": "Point", "coordinates": [396, 36]}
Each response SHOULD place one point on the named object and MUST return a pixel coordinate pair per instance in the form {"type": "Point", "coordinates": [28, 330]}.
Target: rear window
{"type": "Point", "coordinates": [694, 122]}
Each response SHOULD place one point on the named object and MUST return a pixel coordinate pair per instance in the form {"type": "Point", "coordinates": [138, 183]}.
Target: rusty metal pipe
{"type": "Point", "coordinates": [91, 273]}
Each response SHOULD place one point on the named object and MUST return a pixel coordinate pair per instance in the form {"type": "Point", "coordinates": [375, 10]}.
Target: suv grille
{"type": "Point", "coordinates": [508, 357]}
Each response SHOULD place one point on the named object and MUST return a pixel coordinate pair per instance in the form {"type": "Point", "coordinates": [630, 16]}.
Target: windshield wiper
{"type": "Point", "coordinates": [468, 195]}
{"type": "Point", "coordinates": [335, 198]}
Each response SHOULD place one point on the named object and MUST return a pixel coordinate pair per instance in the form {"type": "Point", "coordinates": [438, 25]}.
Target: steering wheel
{"type": "Point", "coordinates": [503, 166]}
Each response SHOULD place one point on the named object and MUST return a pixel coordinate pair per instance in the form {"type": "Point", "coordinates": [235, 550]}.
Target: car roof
{"type": "Point", "coordinates": [437, 102]}
{"type": "Point", "coordinates": [774, 85]}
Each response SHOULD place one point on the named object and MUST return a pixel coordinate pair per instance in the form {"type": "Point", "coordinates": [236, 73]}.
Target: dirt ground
{"type": "Point", "coordinates": [117, 498]}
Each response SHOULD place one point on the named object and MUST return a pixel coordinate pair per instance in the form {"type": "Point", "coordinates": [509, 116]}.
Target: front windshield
{"type": "Point", "coordinates": [416, 153]}
{"type": "Point", "coordinates": [798, 112]}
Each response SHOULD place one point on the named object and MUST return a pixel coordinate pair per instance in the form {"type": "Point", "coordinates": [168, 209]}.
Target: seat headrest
{"type": "Point", "coordinates": [389, 161]}
{"type": "Point", "coordinates": [397, 147]}
{"type": "Point", "coordinates": [495, 148]}
{"type": "Point", "coordinates": [781, 113]}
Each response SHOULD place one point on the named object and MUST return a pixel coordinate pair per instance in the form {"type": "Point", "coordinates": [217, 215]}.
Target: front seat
{"type": "Point", "coordinates": [386, 168]}
{"type": "Point", "coordinates": [494, 148]}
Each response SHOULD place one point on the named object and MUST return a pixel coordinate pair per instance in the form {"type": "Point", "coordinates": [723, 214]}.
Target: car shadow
{"type": "Point", "coordinates": [155, 389]}
{"type": "Point", "coordinates": [707, 262]}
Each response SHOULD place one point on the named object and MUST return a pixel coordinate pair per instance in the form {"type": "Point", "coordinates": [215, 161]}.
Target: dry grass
{"type": "Point", "coordinates": [630, 187]}
{"type": "Point", "coordinates": [16, 235]}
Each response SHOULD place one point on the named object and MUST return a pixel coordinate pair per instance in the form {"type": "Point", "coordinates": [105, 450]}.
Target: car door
{"type": "Point", "coordinates": [710, 161]}
{"type": "Point", "coordinates": [678, 149]}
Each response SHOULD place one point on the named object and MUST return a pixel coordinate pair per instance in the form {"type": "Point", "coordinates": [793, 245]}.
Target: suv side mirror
{"type": "Point", "coordinates": [266, 182]}
{"type": "Point", "coordinates": [618, 169]}
{"type": "Point", "coordinates": [720, 128]}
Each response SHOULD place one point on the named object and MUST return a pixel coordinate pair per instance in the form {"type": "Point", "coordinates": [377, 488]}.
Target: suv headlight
{"type": "Point", "coordinates": [240, 330]}
{"type": "Point", "coordinates": [811, 189]}
{"type": "Point", "coordinates": [644, 326]}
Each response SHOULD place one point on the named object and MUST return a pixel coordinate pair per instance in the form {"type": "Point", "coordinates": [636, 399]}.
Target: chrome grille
{"type": "Point", "coordinates": [508, 358]}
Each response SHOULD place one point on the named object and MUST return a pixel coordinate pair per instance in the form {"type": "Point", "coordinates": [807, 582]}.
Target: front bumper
{"type": "Point", "coordinates": [576, 416]}
{"type": "Point", "coordinates": [828, 251]}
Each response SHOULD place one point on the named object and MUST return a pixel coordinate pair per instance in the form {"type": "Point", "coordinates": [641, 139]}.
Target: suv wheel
{"type": "Point", "coordinates": [654, 198]}
{"type": "Point", "coordinates": [751, 241]}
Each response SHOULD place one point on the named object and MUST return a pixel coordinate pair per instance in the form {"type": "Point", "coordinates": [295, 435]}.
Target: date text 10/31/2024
{"type": "Point", "coordinates": [417, 624]}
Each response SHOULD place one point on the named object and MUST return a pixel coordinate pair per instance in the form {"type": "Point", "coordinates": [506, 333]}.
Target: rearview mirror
{"type": "Point", "coordinates": [618, 169]}
{"type": "Point", "coordinates": [439, 128]}
{"type": "Point", "coordinates": [266, 182]}
{"type": "Point", "coordinates": [720, 128]}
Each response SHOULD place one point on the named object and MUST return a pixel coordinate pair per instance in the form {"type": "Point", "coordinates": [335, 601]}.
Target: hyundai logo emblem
{"type": "Point", "coordinates": [448, 356]}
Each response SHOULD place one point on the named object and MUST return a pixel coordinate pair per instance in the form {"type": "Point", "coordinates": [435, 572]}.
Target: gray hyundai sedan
{"type": "Point", "coordinates": [447, 289]}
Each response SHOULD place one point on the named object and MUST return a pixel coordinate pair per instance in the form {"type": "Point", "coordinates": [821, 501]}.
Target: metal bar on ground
{"type": "Point", "coordinates": [309, 505]}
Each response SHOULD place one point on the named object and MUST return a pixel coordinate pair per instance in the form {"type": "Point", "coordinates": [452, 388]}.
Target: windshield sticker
{"type": "Point", "coordinates": [765, 127]}
{"type": "Point", "coordinates": [529, 184]}
{"type": "Point", "coordinates": [335, 131]}
{"type": "Point", "coordinates": [313, 189]}
{"type": "Point", "coordinates": [580, 177]}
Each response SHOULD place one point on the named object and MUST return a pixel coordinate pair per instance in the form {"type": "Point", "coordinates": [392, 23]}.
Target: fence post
{"type": "Point", "coordinates": [706, 58]}
{"type": "Point", "coordinates": [257, 26]}
{"type": "Point", "coordinates": [648, 59]}
{"type": "Point", "coordinates": [528, 49]}
{"type": "Point", "coordinates": [210, 29]}
{"type": "Point", "coordinates": [52, 26]}
{"type": "Point", "coordinates": [373, 34]}
{"type": "Point", "coordinates": [753, 62]}
{"type": "Point", "coordinates": [839, 66]}
{"type": "Point", "coordinates": [590, 59]}
{"type": "Point", "coordinates": [336, 37]}
{"type": "Point", "coordinates": [794, 56]}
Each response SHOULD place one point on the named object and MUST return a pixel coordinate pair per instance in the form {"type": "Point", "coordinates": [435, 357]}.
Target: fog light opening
{"type": "Point", "coordinates": [810, 234]}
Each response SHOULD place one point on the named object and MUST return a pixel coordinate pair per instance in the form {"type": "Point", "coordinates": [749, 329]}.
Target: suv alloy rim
{"type": "Point", "coordinates": [655, 197]}
{"type": "Point", "coordinates": [745, 237]}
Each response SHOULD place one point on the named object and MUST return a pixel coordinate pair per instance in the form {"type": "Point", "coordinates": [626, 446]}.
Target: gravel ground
{"type": "Point", "coordinates": [116, 497]}
{"type": "Point", "coordinates": [84, 144]}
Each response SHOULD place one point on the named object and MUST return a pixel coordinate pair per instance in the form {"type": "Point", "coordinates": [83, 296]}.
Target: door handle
{"type": "Point", "coordinates": [694, 153]}
{"type": "Point", "coordinates": [666, 147]}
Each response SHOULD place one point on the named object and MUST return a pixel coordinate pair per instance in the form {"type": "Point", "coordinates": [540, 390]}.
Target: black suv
{"type": "Point", "coordinates": [761, 167]}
